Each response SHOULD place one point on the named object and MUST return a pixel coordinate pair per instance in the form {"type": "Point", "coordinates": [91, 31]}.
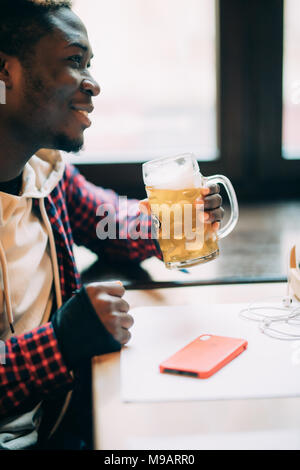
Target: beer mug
{"type": "Point", "coordinates": [173, 186]}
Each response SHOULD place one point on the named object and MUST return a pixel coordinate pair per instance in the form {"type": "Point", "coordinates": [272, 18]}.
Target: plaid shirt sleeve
{"type": "Point", "coordinates": [33, 370]}
{"type": "Point", "coordinates": [91, 207]}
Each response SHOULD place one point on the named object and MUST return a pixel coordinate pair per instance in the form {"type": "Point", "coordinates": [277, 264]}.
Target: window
{"type": "Point", "coordinates": [156, 64]}
{"type": "Point", "coordinates": [291, 80]}
{"type": "Point", "coordinates": [220, 79]}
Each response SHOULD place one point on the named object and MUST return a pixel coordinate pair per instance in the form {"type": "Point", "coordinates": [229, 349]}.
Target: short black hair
{"type": "Point", "coordinates": [24, 22]}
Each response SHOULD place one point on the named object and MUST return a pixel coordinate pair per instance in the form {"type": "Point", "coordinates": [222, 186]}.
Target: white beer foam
{"type": "Point", "coordinates": [173, 176]}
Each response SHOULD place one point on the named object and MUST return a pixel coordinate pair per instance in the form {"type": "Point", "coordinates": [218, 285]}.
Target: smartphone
{"type": "Point", "coordinates": [204, 356]}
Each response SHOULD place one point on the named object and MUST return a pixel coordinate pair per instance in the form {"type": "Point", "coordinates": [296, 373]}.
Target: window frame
{"type": "Point", "coordinates": [273, 166]}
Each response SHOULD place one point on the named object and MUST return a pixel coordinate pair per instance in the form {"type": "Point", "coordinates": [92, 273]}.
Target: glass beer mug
{"type": "Point", "coordinates": [173, 186]}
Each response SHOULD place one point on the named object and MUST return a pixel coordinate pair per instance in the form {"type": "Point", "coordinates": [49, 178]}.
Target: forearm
{"type": "Point", "coordinates": [106, 223]}
{"type": "Point", "coordinates": [80, 332]}
{"type": "Point", "coordinates": [140, 242]}
{"type": "Point", "coordinates": [38, 363]}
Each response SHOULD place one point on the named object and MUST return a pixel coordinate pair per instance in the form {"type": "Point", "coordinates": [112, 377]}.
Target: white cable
{"type": "Point", "coordinates": [291, 316]}
{"type": "Point", "coordinates": [251, 311]}
{"type": "Point", "coordinates": [283, 312]}
{"type": "Point", "coordinates": [278, 334]}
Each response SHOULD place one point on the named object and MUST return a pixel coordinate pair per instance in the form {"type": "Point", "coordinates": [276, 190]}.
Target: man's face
{"type": "Point", "coordinates": [54, 94]}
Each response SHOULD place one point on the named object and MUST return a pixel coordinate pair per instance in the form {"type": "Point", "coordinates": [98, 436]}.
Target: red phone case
{"type": "Point", "coordinates": [204, 356]}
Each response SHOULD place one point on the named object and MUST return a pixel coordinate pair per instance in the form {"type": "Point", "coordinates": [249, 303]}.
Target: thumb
{"type": "Point", "coordinates": [144, 206]}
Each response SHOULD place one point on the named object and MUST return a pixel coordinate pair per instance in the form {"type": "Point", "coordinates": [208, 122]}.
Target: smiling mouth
{"type": "Point", "coordinates": [85, 113]}
{"type": "Point", "coordinates": [82, 116]}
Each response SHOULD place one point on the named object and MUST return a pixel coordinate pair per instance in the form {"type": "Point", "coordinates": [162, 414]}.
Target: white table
{"type": "Point", "coordinates": [252, 422]}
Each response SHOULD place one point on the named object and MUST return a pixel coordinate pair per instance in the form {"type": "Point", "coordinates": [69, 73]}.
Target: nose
{"type": "Point", "coordinates": [90, 86]}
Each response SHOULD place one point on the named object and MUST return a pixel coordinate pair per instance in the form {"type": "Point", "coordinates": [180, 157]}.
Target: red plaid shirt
{"type": "Point", "coordinates": [35, 368]}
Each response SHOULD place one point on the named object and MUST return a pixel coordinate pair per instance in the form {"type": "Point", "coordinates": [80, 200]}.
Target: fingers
{"type": "Point", "coordinates": [112, 288]}
{"type": "Point", "coordinates": [119, 325]}
{"type": "Point", "coordinates": [212, 202]}
{"type": "Point", "coordinates": [124, 337]}
{"type": "Point", "coordinates": [216, 226]}
{"type": "Point", "coordinates": [126, 320]}
{"type": "Point", "coordinates": [215, 215]}
{"type": "Point", "coordinates": [211, 189]}
{"type": "Point", "coordinates": [214, 211]}
{"type": "Point", "coordinates": [120, 305]}
{"type": "Point", "coordinates": [210, 196]}
{"type": "Point", "coordinates": [111, 308]}
{"type": "Point", "coordinates": [120, 321]}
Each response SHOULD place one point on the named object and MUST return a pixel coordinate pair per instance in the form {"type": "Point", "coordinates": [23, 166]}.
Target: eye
{"type": "Point", "coordinates": [76, 59]}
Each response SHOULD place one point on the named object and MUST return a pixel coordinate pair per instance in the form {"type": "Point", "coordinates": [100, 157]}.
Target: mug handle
{"type": "Point", "coordinates": [234, 215]}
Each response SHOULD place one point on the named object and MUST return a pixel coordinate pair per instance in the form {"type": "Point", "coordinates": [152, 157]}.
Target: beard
{"type": "Point", "coordinates": [66, 144]}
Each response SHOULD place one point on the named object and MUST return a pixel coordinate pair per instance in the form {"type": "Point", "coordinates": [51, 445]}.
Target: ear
{"type": "Point", "coordinates": [6, 69]}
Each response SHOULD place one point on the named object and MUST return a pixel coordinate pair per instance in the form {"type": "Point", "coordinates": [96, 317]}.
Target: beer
{"type": "Point", "coordinates": [183, 236]}
{"type": "Point", "coordinates": [173, 186]}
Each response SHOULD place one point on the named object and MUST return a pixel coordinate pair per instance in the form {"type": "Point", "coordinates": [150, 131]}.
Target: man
{"type": "Point", "coordinates": [51, 324]}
